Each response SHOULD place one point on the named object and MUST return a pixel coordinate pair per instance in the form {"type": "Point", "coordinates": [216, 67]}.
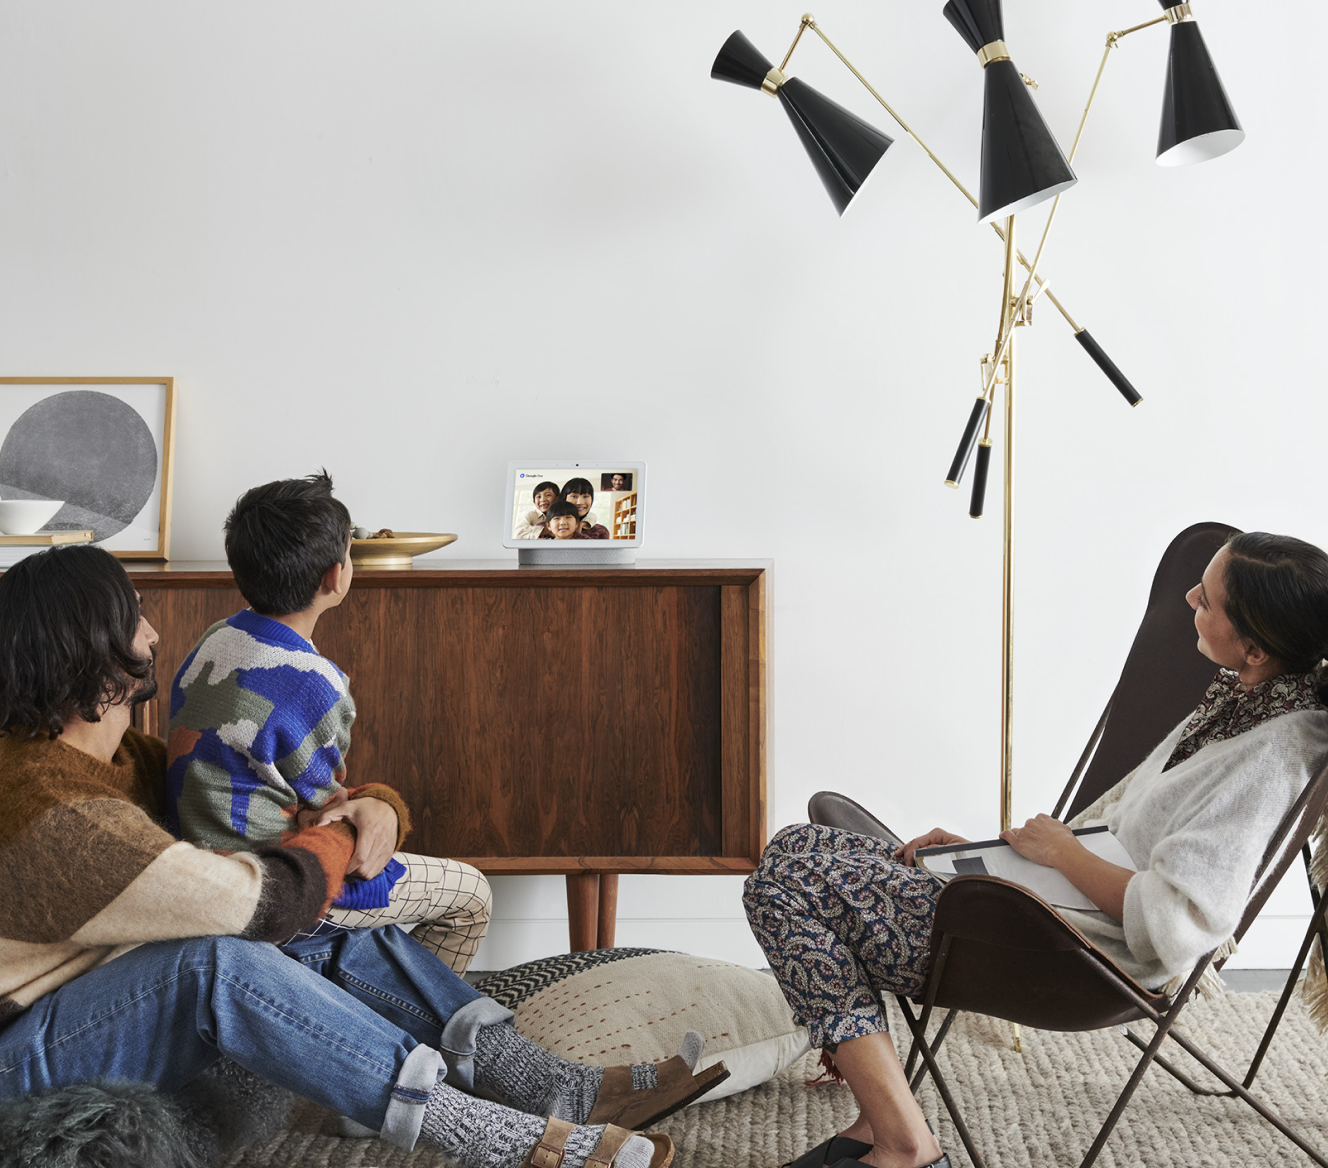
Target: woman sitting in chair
{"type": "Point", "coordinates": [846, 918]}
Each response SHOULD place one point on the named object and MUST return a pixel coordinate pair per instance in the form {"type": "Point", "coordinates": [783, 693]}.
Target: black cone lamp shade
{"type": "Point", "coordinates": [1022, 165]}
{"type": "Point", "coordinates": [741, 62]}
{"type": "Point", "coordinates": [842, 147]}
{"type": "Point", "coordinates": [1198, 122]}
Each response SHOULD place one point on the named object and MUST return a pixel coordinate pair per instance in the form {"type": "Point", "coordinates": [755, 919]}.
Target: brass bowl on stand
{"type": "Point", "coordinates": [397, 550]}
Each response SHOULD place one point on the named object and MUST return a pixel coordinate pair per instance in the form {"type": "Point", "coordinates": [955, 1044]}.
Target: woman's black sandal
{"type": "Point", "coordinates": [831, 1151]}
{"type": "Point", "coordinates": [943, 1162]}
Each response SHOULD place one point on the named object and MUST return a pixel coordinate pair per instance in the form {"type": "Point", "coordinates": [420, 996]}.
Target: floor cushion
{"type": "Point", "coordinates": [613, 1006]}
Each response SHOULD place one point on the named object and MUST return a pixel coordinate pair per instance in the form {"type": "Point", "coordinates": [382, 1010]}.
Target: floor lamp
{"type": "Point", "coordinates": [1021, 166]}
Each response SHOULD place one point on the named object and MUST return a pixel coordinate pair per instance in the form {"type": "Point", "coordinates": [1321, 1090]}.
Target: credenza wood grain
{"type": "Point", "coordinates": [556, 720]}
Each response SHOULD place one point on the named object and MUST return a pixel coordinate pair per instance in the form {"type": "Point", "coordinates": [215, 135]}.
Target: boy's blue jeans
{"type": "Point", "coordinates": [353, 1021]}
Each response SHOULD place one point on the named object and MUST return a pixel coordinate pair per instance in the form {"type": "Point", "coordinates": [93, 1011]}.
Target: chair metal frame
{"type": "Point", "coordinates": [1317, 927]}
{"type": "Point", "coordinates": [1298, 823]}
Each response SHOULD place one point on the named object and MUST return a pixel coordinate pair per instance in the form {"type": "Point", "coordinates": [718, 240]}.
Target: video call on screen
{"type": "Point", "coordinates": [578, 504]}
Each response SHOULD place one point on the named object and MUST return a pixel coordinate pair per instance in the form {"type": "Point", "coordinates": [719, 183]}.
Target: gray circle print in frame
{"type": "Point", "coordinates": [88, 448]}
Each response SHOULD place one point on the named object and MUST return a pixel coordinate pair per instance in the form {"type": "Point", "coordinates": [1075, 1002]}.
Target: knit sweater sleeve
{"type": "Point", "coordinates": [91, 870]}
{"type": "Point", "coordinates": [267, 895]}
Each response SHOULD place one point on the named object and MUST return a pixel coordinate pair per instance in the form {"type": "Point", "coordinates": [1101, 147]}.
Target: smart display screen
{"type": "Point", "coordinates": [581, 503]}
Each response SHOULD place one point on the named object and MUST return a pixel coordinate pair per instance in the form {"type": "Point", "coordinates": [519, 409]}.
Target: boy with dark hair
{"type": "Point", "coordinates": [543, 496]}
{"type": "Point", "coordinates": [260, 725]}
{"type": "Point", "coordinates": [281, 539]}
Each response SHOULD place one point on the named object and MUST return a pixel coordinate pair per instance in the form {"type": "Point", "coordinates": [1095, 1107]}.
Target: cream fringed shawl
{"type": "Point", "coordinates": [1197, 832]}
{"type": "Point", "coordinates": [1314, 988]}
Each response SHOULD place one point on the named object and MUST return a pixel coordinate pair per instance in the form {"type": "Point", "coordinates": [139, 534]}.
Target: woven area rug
{"type": "Point", "coordinates": [1033, 1109]}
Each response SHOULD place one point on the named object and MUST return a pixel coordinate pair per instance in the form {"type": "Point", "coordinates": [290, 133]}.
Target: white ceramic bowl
{"type": "Point", "coordinates": [27, 516]}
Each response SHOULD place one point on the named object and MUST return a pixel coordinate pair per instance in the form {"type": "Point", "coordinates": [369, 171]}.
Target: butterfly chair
{"type": "Point", "coordinates": [998, 949]}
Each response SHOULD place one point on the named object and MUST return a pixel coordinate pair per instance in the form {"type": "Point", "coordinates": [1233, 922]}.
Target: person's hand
{"type": "Point", "coordinates": [309, 816]}
{"type": "Point", "coordinates": [375, 825]}
{"type": "Point", "coordinates": [1042, 840]}
{"type": "Point", "coordinates": [936, 838]}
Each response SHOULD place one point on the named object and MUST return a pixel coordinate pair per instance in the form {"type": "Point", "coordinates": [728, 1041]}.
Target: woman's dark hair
{"type": "Point", "coordinates": [544, 486]}
{"type": "Point", "coordinates": [578, 487]}
{"type": "Point", "coordinates": [68, 619]}
{"type": "Point", "coordinates": [280, 540]}
{"type": "Point", "coordinates": [1277, 597]}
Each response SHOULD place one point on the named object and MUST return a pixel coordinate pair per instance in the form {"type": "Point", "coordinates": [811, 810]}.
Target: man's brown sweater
{"type": "Point", "coordinates": [89, 873]}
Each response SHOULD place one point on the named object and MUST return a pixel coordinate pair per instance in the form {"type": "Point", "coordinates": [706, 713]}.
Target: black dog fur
{"type": "Point", "coordinates": [130, 1125]}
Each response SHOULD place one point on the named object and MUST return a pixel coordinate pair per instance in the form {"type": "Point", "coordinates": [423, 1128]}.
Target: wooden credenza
{"type": "Point", "coordinates": [576, 721]}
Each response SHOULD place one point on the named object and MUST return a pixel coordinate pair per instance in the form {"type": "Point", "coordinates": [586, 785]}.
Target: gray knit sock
{"type": "Point", "coordinates": [478, 1134]}
{"type": "Point", "coordinates": [515, 1071]}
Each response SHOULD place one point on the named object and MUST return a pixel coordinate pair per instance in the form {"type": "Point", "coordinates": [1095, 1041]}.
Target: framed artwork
{"type": "Point", "coordinates": [103, 445]}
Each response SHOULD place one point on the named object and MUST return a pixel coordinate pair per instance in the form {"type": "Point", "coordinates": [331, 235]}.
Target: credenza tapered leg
{"type": "Point", "coordinates": [608, 909]}
{"type": "Point", "coordinates": [583, 910]}
{"type": "Point", "coordinates": [592, 910]}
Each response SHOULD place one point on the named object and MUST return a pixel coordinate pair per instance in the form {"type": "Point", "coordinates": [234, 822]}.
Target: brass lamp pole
{"type": "Point", "coordinates": [1015, 313]}
{"type": "Point", "coordinates": [1024, 167]}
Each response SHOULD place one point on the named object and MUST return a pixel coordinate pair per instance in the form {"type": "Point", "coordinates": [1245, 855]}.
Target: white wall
{"type": "Point", "coordinates": [398, 238]}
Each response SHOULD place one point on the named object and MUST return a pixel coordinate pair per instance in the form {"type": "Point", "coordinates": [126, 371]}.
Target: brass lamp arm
{"type": "Point", "coordinates": [1027, 294]}
{"type": "Point", "coordinates": [1170, 16]}
{"type": "Point", "coordinates": [809, 22]}
{"type": "Point", "coordinates": [1113, 37]}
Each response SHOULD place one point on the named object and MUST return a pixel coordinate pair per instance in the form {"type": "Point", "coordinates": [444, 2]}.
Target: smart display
{"type": "Point", "coordinates": [577, 509]}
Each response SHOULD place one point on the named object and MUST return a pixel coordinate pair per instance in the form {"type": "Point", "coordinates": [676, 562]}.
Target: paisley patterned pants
{"type": "Point", "coordinates": [841, 923]}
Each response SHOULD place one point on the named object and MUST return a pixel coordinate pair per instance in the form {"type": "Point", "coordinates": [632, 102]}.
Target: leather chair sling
{"type": "Point", "coordinates": [997, 949]}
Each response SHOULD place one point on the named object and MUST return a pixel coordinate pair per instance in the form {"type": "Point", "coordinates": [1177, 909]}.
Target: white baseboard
{"type": "Point", "coordinates": [1271, 943]}
{"type": "Point", "coordinates": [515, 941]}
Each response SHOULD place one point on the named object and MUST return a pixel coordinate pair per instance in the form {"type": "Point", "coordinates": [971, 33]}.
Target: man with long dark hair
{"type": "Point", "coordinates": [128, 954]}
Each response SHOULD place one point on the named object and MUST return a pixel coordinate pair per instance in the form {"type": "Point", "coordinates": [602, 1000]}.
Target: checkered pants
{"type": "Point", "coordinates": [448, 901]}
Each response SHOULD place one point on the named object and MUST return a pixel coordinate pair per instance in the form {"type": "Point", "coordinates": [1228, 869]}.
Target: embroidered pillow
{"type": "Point", "coordinates": [634, 1005]}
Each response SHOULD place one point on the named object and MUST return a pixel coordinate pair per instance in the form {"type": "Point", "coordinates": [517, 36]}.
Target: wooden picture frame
{"type": "Point", "coordinates": [120, 479]}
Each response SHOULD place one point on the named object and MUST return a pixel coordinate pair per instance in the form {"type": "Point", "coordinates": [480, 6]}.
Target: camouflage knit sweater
{"type": "Point", "coordinates": [260, 726]}
{"type": "Point", "coordinates": [92, 873]}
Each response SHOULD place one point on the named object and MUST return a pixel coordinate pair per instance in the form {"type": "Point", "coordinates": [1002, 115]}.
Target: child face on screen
{"type": "Point", "coordinates": [581, 503]}
{"type": "Point", "coordinates": [545, 499]}
{"type": "Point", "coordinates": [563, 526]}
